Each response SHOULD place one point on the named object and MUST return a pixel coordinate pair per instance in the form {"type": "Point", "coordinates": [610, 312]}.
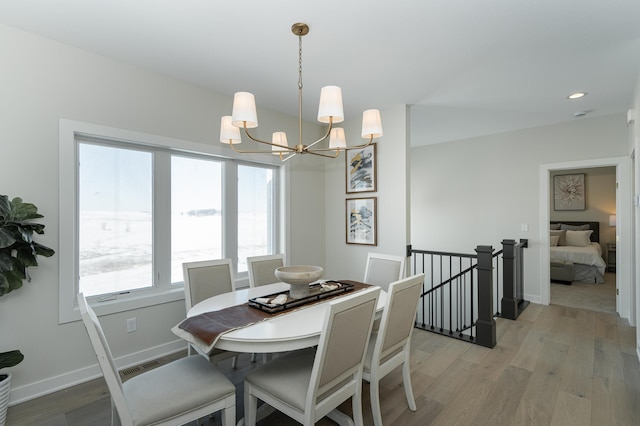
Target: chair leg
{"type": "Point", "coordinates": [356, 402]}
{"type": "Point", "coordinates": [228, 416]}
{"type": "Point", "coordinates": [253, 357]}
{"type": "Point", "coordinates": [374, 392]}
{"type": "Point", "coordinates": [234, 362]}
{"type": "Point", "coordinates": [250, 406]}
{"type": "Point", "coordinates": [406, 380]}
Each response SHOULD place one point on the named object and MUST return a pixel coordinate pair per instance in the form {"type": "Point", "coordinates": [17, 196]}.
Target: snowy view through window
{"type": "Point", "coordinates": [116, 239]}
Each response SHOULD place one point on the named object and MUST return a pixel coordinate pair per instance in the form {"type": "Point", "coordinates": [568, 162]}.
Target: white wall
{"type": "Point", "coordinates": [480, 191]}
{"type": "Point", "coordinates": [347, 261]}
{"type": "Point", "coordinates": [634, 147]}
{"type": "Point", "coordinates": [43, 81]}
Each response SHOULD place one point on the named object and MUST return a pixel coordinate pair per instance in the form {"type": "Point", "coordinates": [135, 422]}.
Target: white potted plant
{"type": "Point", "coordinates": [18, 252]}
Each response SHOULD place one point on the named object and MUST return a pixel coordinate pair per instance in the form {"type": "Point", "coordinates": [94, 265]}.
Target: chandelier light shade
{"type": "Point", "coordinates": [330, 108]}
{"type": "Point", "coordinates": [229, 133]}
{"type": "Point", "coordinates": [337, 139]}
{"type": "Point", "coordinates": [279, 141]}
{"type": "Point", "coordinates": [330, 112]}
{"type": "Point", "coordinates": [244, 110]}
{"type": "Point", "coordinates": [371, 124]}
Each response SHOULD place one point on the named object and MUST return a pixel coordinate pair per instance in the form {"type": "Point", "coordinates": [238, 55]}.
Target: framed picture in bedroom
{"type": "Point", "coordinates": [569, 192]}
{"type": "Point", "coordinates": [361, 221]}
{"type": "Point", "coordinates": [361, 169]}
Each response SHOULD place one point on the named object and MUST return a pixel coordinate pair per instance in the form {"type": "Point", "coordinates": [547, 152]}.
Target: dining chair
{"type": "Point", "coordinates": [390, 345]}
{"type": "Point", "coordinates": [382, 269]}
{"type": "Point", "coordinates": [261, 269]}
{"type": "Point", "coordinates": [176, 393]}
{"type": "Point", "coordinates": [261, 272]}
{"type": "Point", "coordinates": [204, 279]}
{"type": "Point", "coordinates": [308, 384]}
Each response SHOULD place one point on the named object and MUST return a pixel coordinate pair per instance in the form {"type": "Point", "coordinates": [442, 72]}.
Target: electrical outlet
{"type": "Point", "coordinates": [131, 325]}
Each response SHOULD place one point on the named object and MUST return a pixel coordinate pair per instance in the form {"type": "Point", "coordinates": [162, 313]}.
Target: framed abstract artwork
{"type": "Point", "coordinates": [361, 221]}
{"type": "Point", "coordinates": [569, 192]}
{"type": "Point", "coordinates": [361, 169]}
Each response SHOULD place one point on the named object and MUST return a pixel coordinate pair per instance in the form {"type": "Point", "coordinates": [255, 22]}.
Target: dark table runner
{"type": "Point", "coordinates": [208, 327]}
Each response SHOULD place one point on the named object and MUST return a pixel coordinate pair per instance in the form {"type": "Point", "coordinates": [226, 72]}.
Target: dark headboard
{"type": "Point", "coordinates": [595, 226]}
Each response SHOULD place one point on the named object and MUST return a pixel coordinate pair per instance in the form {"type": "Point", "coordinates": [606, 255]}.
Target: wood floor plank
{"type": "Point", "coordinates": [502, 403]}
{"type": "Point", "coordinates": [607, 360]}
{"type": "Point", "coordinates": [539, 399]}
{"type": "Point", "coordinates": [468, 402]}
{"type": "Point", "coordinates": [609, 404]}
{"type": "Point", "coordinates": [571, 410]}
{"type": "Point", "coordinates": [529, 351]}
{"type": "Point", "coordinates": [631, 369]}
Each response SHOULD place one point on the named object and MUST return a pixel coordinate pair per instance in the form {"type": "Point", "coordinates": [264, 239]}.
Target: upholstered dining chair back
{"type": "Point", "coordinates": [175, 393]}
{"type": "Point", "coordinates": [307, 385]}
{"type": "Point", "coordinates": [261, 269]}
{"type": "Point", "coordinates": [390, 346]}
{"type": "Point", "coordinates": [383, 269]}
{"type": "Point", "coordinates": [341, 350]}
{"type": "Point", "coordinates": [205, 279]}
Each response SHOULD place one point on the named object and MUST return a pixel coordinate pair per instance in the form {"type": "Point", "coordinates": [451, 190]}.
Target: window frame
{"type": "Point", "coordinates": [70, 133]}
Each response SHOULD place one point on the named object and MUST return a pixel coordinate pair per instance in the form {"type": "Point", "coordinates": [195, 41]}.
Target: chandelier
{"type": "Point", "coordinates": [330, 112]}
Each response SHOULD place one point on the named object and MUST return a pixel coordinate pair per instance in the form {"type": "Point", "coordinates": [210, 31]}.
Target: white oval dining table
{"type": "Point", "coordinates": [293, 330]}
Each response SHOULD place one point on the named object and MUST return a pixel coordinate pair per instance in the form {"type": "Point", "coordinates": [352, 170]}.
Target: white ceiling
{"type": "Point", "coordinates": [467, 68]}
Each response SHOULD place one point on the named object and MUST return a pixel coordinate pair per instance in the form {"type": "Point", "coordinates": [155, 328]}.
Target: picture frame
{"type": "Point", "coordinates": [569, 192]}
{"type": "Point", "coordinates": [361, 221]}
{"type": "Point", "coordinates": [361, 169]}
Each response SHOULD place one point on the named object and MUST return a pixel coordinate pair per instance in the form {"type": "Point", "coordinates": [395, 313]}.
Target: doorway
{"type": "Point", "coordinates": [625, 303]}
{"type": "Point", "coordinates": [590, 282]}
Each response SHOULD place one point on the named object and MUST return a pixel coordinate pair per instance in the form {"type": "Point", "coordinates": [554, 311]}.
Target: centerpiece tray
{"type": "Point", "coordinates": [316, 292]}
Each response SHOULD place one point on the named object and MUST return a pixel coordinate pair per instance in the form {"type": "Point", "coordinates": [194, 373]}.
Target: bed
{"type": "Point", "coordinates": [575, 247]}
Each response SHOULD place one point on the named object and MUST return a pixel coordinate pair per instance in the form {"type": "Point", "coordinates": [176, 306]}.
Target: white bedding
{"type": "Point", "coordinates": [590, 255]}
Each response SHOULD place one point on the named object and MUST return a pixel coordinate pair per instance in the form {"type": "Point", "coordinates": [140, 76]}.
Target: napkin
{"type": "Point", "coordinates": [281, 299]}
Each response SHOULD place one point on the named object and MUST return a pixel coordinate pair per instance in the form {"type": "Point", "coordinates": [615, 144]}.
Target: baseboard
{"type": "Point", "coordinates": [72, 378]}
{"type": "Point", "coordinates": [533, 299]}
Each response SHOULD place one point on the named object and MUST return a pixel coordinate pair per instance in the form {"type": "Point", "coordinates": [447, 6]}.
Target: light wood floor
{"type": "Point", "coordinates": [555, 365]}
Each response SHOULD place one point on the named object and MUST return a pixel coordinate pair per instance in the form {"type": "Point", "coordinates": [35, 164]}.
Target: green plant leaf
{"type": "Point", "coordinates": [6, 238]}
{"type": "Point", "coordinates": [23, 211]}
{"type": "Point", "coordinates": [11, 358]}
{"type": "Point", "coordinates": [43, 250]}
{"type": "Point", "coordinates": [18, 250]}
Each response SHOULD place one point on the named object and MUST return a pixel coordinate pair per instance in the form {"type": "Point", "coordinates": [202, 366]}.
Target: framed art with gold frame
{"type": "Point", "coordinates": [361, 221]}
{"type": "Point", "coordinates": [360, 166]}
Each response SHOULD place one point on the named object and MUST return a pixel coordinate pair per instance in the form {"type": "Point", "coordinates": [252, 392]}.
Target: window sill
{"type": "Point", "coordinates": [127, 302]}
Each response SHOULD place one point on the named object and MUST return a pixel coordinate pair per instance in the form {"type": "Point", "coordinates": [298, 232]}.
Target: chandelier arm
{"type": "Point", "coordinates": [344, 149]}
{"type": "Point", "coordinates": [242, 151]}
{"type": "Point", "coordinates": [326, 135]}
{"type": "Point", "coordinates": [246, 132]}
{"type": "Point", "coordinates": [288, 157]}
{"type": "Point", "coordinates": [363, 145]}
{"type": "Point", "coordinates": [316, 152]}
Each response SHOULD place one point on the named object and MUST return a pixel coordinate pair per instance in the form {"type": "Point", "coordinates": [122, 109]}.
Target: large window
{"type": "Point", "coordinates": [142, 208]}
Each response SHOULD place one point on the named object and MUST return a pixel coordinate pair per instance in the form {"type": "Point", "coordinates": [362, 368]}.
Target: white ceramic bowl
{"type": "Point", "coordinates": [301, 274]}
{"type": "Point", "coordinates": [299, 278]}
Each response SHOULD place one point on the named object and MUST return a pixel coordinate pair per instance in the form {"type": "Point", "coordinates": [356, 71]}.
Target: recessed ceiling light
{"type": "Point", "coordinates": [577, 95]}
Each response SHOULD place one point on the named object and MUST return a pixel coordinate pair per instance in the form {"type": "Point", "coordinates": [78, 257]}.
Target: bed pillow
{"type": "Point", "coordinates": [566, 227]}
{"type": "Point", "coordinates": [579, 238]}
{"type": "Point", "coordinates": [562, 236]}
{"type": "Point", "coordinates": [554, 240]}
{"type": "Point", "coordinates": [554, 226]}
